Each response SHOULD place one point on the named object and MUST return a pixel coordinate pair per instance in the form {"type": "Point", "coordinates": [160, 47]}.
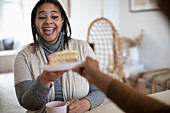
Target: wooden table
{"type": "Point", "coordinates": [163, 96]}
{"type": "Point", "coordinates": [107, 108]}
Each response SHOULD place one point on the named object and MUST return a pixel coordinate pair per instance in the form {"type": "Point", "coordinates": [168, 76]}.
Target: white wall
{"type": "Point", "coordinates": [1, 12]}
{"type": "Point", "coordinates": [27, 6]}
{"type": "Point", "coordinates": [9, 20]}
{"type": "Point", "coordinates": [83, 12]}
{"type": "Point", "coordinates": [155, 48]}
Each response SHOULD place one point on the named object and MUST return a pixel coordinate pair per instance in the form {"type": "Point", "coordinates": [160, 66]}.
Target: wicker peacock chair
{"type": "Point", "coordinates": [106, 43]}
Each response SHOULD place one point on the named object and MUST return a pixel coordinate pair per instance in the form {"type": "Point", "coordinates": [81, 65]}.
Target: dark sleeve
{"type": "Point", "coordinates": [132, 101]}
{"type": "Point", "coordinates": [31, 95]}
{"type": "Point", "coordinates": [95, 96]}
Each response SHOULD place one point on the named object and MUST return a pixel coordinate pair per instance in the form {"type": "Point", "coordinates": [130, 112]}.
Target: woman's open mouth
{"type": "Point", "coordinates": [48, 31]}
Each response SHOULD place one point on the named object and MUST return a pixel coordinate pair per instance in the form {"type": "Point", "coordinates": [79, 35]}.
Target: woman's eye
{"type": "Point", "coordinates": [54, 17]}
{"type": "Point", "coordinates": [41, 17]}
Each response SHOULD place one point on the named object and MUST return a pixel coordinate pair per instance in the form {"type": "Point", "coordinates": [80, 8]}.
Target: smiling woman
{"type": "Point", "coordinates": [34, 86]}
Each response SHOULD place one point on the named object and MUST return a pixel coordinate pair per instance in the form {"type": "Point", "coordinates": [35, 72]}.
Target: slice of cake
{"type": "Point", "coordinates": [62, 57]}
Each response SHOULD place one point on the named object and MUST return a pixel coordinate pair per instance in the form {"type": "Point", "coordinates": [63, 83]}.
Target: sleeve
{"type": "Point", "coordinates": [131, 101]}
{"type": "Point", "coordinates": [21, 70]}
{"type": "Point", "coordinates": [31, 95]}
{"type": "Point", "coordinates": [95, 96]}
{"type": "Point", "coordinates": [89, 51]}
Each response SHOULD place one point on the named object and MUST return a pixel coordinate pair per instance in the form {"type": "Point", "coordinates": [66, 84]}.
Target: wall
{"type": "Point", "coordinates": [9, 20]}
{"type": "Point", "coordinates": [1, 12]}
{"type": "Point", "coordinates": [155, 48]}
{"type": "Point", "coordinates": [27, 6]}
{"type": "Point", "coordinates": [83, 12]}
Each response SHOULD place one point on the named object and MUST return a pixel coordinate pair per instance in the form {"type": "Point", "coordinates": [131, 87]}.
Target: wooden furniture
{"type": "Point", "coordinates": [154, 81]}
{"type": "Point", "coordinates": [167, 84]}
{"type": "Point", "coordinates": [160, 82]}
{"type": "Point", "coordinates": [106, 43]}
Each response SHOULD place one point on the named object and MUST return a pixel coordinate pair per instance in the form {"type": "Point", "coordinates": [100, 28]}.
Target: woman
{"type": "Point", "coordinates": [34, 86]}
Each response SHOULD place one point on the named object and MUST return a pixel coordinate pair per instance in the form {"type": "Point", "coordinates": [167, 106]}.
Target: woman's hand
{"type": "Point", "coordinates": [49, 76]}
{"type": "Point", "coordinates": [74, 106]}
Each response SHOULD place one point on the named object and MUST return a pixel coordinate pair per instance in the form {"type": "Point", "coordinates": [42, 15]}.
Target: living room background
{"type": "Point", "coordinates": [154, 50]}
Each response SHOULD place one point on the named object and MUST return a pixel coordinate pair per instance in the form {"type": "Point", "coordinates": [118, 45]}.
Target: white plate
{"type": "Point", "coordinates": [61, 67]}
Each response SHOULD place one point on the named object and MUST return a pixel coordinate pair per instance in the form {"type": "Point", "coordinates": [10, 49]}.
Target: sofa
{"type": "Point", "coordinates": [7, 58]}
{"type": "Point", "coordinates": [8, 99]}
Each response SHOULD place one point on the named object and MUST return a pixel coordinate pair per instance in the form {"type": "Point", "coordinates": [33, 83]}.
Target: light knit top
{"type": "Point", "coordinates": [28, 67]}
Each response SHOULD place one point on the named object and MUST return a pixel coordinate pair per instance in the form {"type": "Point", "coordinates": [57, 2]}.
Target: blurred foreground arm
{"type": "Point", "coordinates": [124, 96]}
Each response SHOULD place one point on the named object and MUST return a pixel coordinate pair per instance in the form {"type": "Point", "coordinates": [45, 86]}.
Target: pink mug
{"type": "Point", "coordinates": [56, 107]}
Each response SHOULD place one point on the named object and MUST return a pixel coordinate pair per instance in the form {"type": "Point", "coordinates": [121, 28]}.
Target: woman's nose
{"type": "Point", "coordinates": [48, 21]}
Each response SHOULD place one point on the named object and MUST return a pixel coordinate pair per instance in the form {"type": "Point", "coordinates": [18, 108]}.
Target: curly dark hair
{"type": "Point", "coordinates": [66, 28]}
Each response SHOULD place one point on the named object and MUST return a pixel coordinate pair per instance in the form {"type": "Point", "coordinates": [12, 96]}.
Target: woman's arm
{"type": "Point", "coordinates": [31, 95]}
{"type": "Point", "coordinates": [95, 96]}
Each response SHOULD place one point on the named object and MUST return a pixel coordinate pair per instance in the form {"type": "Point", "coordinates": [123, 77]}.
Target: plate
{"type": "Point", "coordinates": [61, 67]}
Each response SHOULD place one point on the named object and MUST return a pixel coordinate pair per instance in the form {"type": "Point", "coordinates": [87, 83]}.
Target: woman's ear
{"type": "Point", "coordinates": [62, 21]}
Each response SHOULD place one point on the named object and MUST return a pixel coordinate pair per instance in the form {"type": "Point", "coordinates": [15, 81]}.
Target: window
{"type": "Point", "coordinates": [11, 21]}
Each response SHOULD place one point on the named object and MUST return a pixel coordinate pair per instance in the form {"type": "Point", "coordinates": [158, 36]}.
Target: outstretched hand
{"type": "Point", "coordinates": [88, 69]}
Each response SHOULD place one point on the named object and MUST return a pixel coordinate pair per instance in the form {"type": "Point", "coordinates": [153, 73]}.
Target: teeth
{"type": "Point", "coordinates": [48, 30]}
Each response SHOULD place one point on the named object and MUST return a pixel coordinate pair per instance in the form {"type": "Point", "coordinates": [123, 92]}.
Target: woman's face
{"type": "Point", "coordinates": [49, 22]}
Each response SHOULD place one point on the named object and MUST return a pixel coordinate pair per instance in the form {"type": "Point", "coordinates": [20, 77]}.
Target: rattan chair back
{"type": "Point", "coordinates": [105, 40]}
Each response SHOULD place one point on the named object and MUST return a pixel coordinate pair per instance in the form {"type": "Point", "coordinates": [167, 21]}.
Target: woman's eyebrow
{"type": "Point", "coordinates": [54, 11]}
{"type": "Point", "coordinates": [41, 12]}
